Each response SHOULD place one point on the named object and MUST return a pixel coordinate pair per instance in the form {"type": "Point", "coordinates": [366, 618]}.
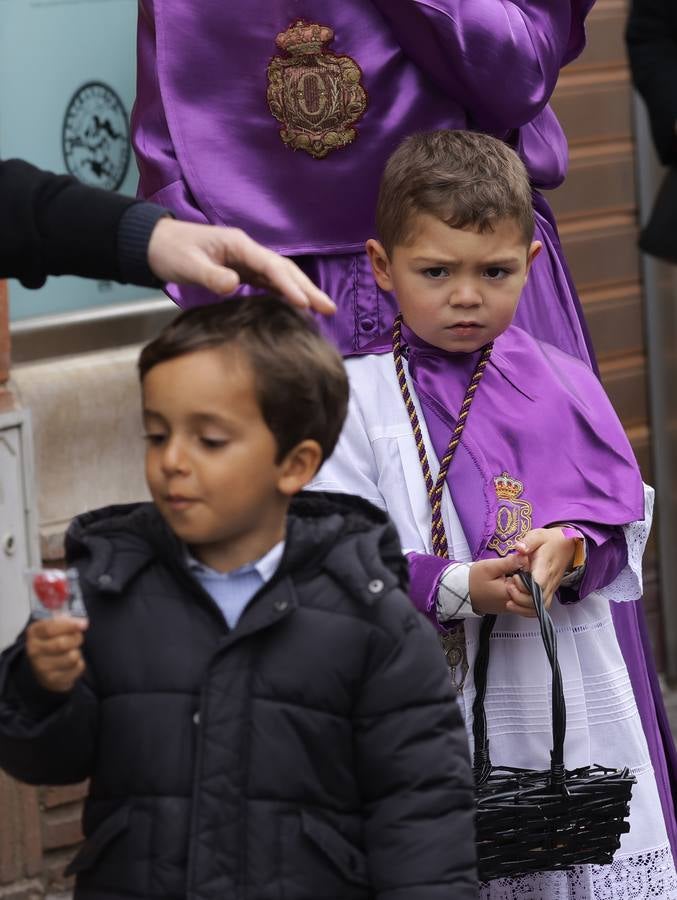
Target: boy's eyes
{"type": "Point", "coordinates": [154, 438]}
{"type": "Point", "coordinates": [212, 443]}
{"type": "Point", "coordinates": [493, 273]}
{"type": "Point", "coordinates": [496, 273]}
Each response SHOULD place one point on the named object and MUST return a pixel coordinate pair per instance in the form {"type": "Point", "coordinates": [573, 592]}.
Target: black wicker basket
{"type": "Point", "coordinates": [534, 821]}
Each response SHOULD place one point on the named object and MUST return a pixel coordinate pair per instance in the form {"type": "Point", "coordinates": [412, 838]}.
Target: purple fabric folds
{"type": "Point", "coordinates": [539, 415]}
{"type": "Point", "coordinates": [455, 44]}
{"type": "Point", "coordinates": [630, 624]}
{"type": "Point", "coordinates": [209, 148]}
{"type": "Point", "coordinates": [576, 464]}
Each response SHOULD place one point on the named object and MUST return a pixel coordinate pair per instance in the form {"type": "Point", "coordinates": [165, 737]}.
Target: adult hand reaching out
{"type": "Point", "coordinates": [54, 225]}
{"type": "Point", "coordinates": [221, 258]}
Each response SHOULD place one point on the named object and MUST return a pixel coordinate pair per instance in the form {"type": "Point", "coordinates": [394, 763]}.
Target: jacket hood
{"type": "Point", "coordinates": [341, 534]}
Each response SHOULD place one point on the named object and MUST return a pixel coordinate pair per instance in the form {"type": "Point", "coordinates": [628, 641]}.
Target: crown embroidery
{"type": "Point", "coordinates": [313, 92]}
{"type": "Point", "coordinates": [507, 488]}
{"type": "Point", "coordinates": [513, 516]}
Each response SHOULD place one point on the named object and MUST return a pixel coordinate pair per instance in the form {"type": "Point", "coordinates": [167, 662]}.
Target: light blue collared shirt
{"type": "Point", "coordinates": [232, 591]}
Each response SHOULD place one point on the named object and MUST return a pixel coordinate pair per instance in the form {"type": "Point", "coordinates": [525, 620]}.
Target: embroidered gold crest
{"type": "Point", "coordinates": [513, 518]}
{"type": "Point", "coordinates": [313, 92]}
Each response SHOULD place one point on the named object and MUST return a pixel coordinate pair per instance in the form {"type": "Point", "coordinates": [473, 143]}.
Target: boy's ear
{"type": "Point", "coordinates": [380, 264]}
{"type": "Point", "coordinates": [299, 466]}
{"type": "Point", "coordinates": [533, 251]}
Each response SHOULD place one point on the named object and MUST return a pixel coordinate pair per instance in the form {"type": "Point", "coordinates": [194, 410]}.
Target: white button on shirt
{"type": "Point", "coordinates": [232, 591]}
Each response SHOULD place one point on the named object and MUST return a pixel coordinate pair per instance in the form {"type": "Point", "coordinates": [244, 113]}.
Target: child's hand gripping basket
{"type": "Point", "coordinates": [532, 821]}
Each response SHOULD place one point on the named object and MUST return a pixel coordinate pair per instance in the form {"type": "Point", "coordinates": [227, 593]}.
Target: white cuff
{"type": "Point", "coordinates": [453, 594]}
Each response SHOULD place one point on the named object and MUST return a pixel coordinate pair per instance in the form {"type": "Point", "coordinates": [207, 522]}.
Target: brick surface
{"type": "Point", "coordinates": [10, 829]}
{"type": "Point", "coordinates": [31, 843]}
{"type": "Point", "coordinates": [23, 890]}
{"type": "Point", "coordinates": [20, 839]}
{"type": "Point", "coordinates": [61, 827]}
{"type": "Point", "coordinates": [55, 864]}
{"type": "Point", "coordinates": [58, 796]}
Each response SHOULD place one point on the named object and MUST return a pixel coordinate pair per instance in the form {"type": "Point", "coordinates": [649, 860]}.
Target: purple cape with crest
{"type": "Point", "coordinates": [539, 416]}
{"type": "Point", "coordinates": [543, 418]}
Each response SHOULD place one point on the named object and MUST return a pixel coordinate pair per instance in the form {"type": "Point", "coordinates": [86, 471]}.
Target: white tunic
{"type": "Point", "coordinates": [377, 459]}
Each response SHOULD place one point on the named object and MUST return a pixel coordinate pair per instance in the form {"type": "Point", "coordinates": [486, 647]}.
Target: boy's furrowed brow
{"type": "Point", "coordinates": [485, 263]}
{"type": "Point", "coordinates": [503, 261]}
{"type": "Point", "coordinates": [434, 260]}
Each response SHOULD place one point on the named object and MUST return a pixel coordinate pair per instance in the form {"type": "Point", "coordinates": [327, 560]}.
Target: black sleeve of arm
{"type": "Point", "coordinates": [54, 225]}
{"type": "Point", "coordinates": [45, 737]}
{"type": "Point", "coordinates": [414, 769]}
{"type": "Point", "coordinates": [652, 49]}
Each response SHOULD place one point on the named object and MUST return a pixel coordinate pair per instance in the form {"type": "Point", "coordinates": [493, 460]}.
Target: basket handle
{"type": "Point", "coordinates": [481, 759]}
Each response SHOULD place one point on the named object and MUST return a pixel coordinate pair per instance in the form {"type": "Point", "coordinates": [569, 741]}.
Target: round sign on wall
{"type": "Point", "coordinates": [95, 137]}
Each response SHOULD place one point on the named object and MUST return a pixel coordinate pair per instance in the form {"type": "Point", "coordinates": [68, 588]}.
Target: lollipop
{"type": "Point", "coordinates": [55, 593]}
{"type": "Point", "coordinates": [52, 589]}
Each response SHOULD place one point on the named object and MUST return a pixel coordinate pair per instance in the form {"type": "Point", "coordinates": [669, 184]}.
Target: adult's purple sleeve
{"type": "Point", "coordinates": [500, 58]}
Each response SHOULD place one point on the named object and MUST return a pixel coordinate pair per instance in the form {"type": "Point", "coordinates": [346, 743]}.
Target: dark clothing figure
{"type": "Point", "coordinates": [652, 48]}
{"type": "Point", "coordinates": [54, 225]}
{"type": "Point", "coordinates": [313, 752]}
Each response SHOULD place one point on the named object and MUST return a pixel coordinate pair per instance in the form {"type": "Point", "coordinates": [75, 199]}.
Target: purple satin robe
{"type": "Point", "coordinates": [209, 148]}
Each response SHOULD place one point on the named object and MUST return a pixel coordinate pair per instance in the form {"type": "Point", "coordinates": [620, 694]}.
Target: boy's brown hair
{"type": "Point", "coordinates": [467, 180]}
{"type": "Point", "coordinates": [300, 380]}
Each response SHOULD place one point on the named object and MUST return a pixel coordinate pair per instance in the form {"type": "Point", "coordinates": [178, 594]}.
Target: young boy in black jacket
{"type": "Point", "coordinates": [261, 711]}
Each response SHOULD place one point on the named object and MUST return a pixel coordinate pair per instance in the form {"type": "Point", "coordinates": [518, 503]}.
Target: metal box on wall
{"type": "Point", "coordinates": [18, 528]}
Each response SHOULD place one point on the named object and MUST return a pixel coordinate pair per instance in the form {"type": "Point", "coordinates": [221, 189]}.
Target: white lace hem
{"type": "Point", "coordinates": [649, 875]}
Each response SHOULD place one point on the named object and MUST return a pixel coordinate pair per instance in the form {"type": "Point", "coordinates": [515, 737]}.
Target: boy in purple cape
{"type": "Point", "coordinates": [493, 451]}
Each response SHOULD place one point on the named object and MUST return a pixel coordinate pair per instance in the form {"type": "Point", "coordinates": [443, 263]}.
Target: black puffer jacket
{"type": "Point", "coordinates": [313, 752]}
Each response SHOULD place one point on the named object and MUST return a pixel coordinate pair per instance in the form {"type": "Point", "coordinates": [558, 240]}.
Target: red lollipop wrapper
{"type": "Point", "coordinates": [55, 592]}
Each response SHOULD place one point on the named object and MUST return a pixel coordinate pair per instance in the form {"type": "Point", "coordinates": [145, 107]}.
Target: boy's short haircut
{"type": "Point", "coordinates": [467, 180]}
{"type": "Point", "coordinates": [300, 380]}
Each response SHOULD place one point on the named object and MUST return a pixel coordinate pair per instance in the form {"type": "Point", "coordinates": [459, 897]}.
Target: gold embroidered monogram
{"type": "Point", "coordinates": [314, 93]}
{"type": "Point", "coordinates": [513, 518]}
